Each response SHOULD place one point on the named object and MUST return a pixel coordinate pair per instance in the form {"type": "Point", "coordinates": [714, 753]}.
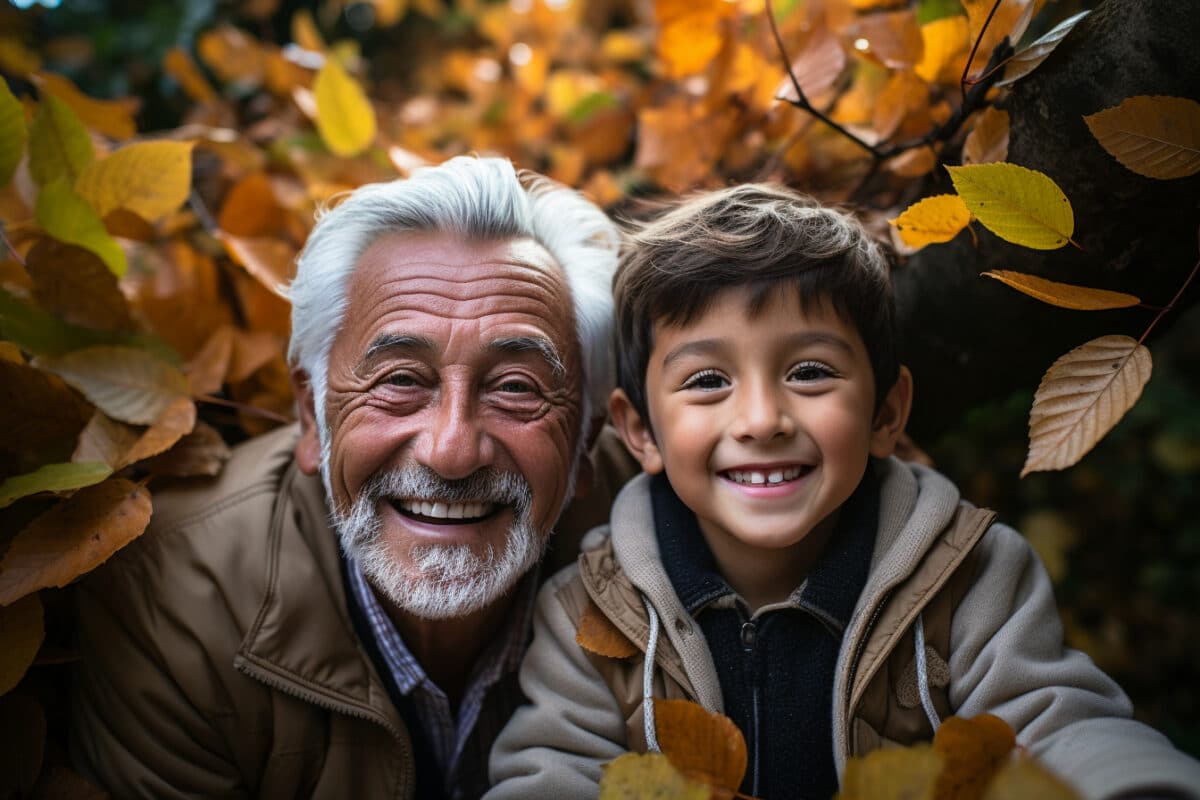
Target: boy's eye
{"type": "Point", "coordinates": [810, 371]}
{"type": "Point", "coordinates": [707, 381]}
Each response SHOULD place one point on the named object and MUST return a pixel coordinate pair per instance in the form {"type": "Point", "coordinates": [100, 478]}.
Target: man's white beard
{"type": "Point", "coordinates": [441, 581]}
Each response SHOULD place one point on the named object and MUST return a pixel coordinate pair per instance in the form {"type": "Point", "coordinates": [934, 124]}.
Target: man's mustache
{"type": "Point", "coordinates": [418, 482]}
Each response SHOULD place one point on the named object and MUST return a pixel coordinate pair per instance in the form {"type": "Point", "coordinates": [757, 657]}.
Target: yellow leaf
{"type": "Point", "coordinates": [623, 46]}
{"type": "Point", "coordinates": [1026, 778]}
{"type": "Point", "coordinates": [894, 774]}
{"type": "Point", "coordinates": [17, 58]}
{"type": "Point", "coordinates": [52, 478]}
{"type": "Point", "coordinates": [1155, 136]}
{"type": "Point", "coordinates": [67, 217]}
{"type": "Point", "coordinates": [21, 632]}
{"type": "Point", "coordinates": [701, 744]}
{"type": "Point", "coordinates": [1030, 58]}
{"type": "Point", "coordinates": [345, 118]}
{"type": "Point", "coordinates": [597, 634]}
{"type": "Point", "coordinates": [973, 750]}
{"type": "Point", "coordinates": [59, 145]}
{"type": "Point", "coordinates": [12, 133]}
{"type": "Point", "coordinates": [634, 776]}
{"type": "Point", "coordinates": [988, 140]}
{"type": "Point", "coordinates": [1063, 295]}
{"type": "Point", "coordinates": [113, 118]}
{"type": "Point", "coordinates": [305, 33]}
{"type": "Point", "coordinates": [74, 537]}
{"type": "Point", "coordinates": [151, 179]}
{"type": "Point", "coordinates": [934, 219]}
{"type": "Point", "coordinates": [945, 49]}
{"type": "Point", "coordinates": [1020, 205]}
{"type": "Point", "coordinates": [180, 66]}
{"type": "Point", "coordinates": [690, 34]}
{"type": "Point", "coordinates": [127, 384]}
{"type": "Point", "coordinates": [1081, 397]}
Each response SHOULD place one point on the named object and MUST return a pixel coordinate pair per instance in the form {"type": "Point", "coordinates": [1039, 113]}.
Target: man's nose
{"type": "Point", "coordinates": [762, 413]}
{"type": "Point", "coordinates": [455, 444]}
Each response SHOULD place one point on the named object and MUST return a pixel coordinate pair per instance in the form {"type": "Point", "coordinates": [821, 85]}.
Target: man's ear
{"type": "Point", "coordinates": [585, 471]}
{"type": "Point", "coordinates": [308, 448]}
{"type": "Point", "coordinates": [634, 432]}
{"type": "Point", "coordinates": [892, 415]}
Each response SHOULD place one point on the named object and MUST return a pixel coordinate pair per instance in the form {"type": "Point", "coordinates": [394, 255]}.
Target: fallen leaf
{"type": "Point", "coordinates": [180, 66]}
{"type": "Point", "coordinates": [909, 773]}
{"type": "Point", "coordinates": [912, 163]}
{"type": "Point", "coordinates": [946, 45]}
{"type": "Point", "coordinates": [39, 414]}
{"type": "Point", "coordinates": [816, 67]}
{"type": "Point", "coordinates": [59, 145]}
{"type": "Point", "coordinates": [933, 219]}
{"type": "Point", "coordinates": [74, 537]}
{"type": "Point", "coordinates": [701, 744]}
{"type": "Point", "coordinates": [1008, 22]}
{"type": "Point", "coordinates": [207, 369]}
{"type": "Point", "coordinates": [250, 208]}
{"type": "Point", "coordinates": [270, 261]}
{"type": "Point", "coordinates": [113, 118]}
{"type": "Point", "coordinates": [904, 93]}
{"type": "Point", "coordinates": [151, 179]}
{"type": "Point", "coordinates": [1026, 778]}
{"type": "Point", "coordinates": [124, 223]}
{"type": "Point", "coordinates": [1063, 295]}
{"type": "Point", "coordinates": [690, 34]}
{"type": "Point", "coordinates": [598, 635]}
{"type": "Point", "coordinates": [988, 140]}
{"type": "Point", "coordinates": [1027, 59]}
{"type": "Point", "coordinates": [67, 217]}
{"type": "Point", "coordinates": [119, 445]}
{"type": "Point", "coordinates": [972, 751]}
{"type": "Point", "coordinates": [127, 384]}
{"type": "Point", "coordinates": [201, 452]}
{"type": "Point", "coordinates": [21, 633]}
{"type": "Point", "coordinates": [1081, 397]}
{"type": "Point", "coordinates": [232, 54]}
{"type": "Point", "coordinates": [76, 285]}
{"type": "Point", "coordinates": [1020, 205]}
{"type": "Point", "coordinates": [345, 118]}
{"type": "Point", "coordinates": [251, 351]}
{"type": "Point", "coordinates": [893, 38]}
{"type": "Point", "coordinates": [12, 133]}
{"type": "Point", "coordinates": [40, 333]}
{"type": "Point", "coordinates": [1155, 136]}
{"type": "Point", "coordinates": [51, 478]}
{"type": "Point", "coordinates": [637, 776]}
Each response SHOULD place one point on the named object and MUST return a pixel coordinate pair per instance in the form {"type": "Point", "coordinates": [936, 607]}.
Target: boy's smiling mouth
{"type": "Point", "coordinates": [769, 476]}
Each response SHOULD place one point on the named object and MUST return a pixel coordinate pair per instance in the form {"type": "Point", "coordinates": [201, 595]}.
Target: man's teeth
{"type": "Point", "coordinates": [447, 510]}
{"type": "Point", "coordinates": [754, 477]}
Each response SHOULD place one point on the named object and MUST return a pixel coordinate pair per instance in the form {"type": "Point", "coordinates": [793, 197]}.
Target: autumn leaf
{"type": "Point", "coordinates": [270, 261]}
{"type": "Point", "coordinates": [893, 38]}
{"type": "Point", "coordinates": [39, 414]}
{"type": "Point", "coordinates": [207, 369]}
{"type": "Point", "coordinates": [701, 744]}
{"type": "Point", "coordinates": [151, 179]}
{"type": "Point", "coordinates": [1020, 205]}
{"type": "Point", "coordinates": [1081, 397]}
{"type": "Point", "coordinates": [127, 384]}
{"type": "Point", "coordinates": [816, 67]}
{"type": "Point", "coordinates": [598, 635]}
{"type": "Point", "coordinates": [201, 452]}
{"type": "Point", "coordinates": [690, 34]}
{"type": "Point", "coordinates": [76, 285]}
{"type": "Point", "coordinates": [945, 46]}
{"type": "Point", "coordinates": [118, 445]}
{"type": "Point", "coordinates": [180, 66]}
{"type": "Point", "coordinates": [345, 118]}
{"type": "Point", "coordinates": [636, 776]}
{"type": "Point", "coordinates": [988, 140]}
{"type": "Point", "coordinates": [67, 217]}
{"type": "Point", "coordinates": [21, 634]}
{"type": "Point", "coordinates": [894, 774]}
{"type": "Point", "coordinates": [40, 333]}
{"type": "Point", "coordinates": [933, 219]}
{"type": "Point", "coordinates": [1009, 19]}
{"type": "Point", "coordinates": [52, 478]}
{"type": "Point", "coordinates": [1063, 295]}
{"type": "Point", "coordinates": [74, 537]}
{"type": "Point", "coordinates": [1027, 59]}
{"type": "Point", "coordinates": [1026, 778]}
{"type": "Point", "coordinates": [59, 145]}
{"type": "Point", "coordinates": [972, 751]}
{"type": "Point", "coordinates": [250, 208]}
{"type": "Point", "coordinates": [12, 133]}
{"type": "Point", "coordinates": [1155, 136]}
{"type": "Point", "coordinates": [113, 118]}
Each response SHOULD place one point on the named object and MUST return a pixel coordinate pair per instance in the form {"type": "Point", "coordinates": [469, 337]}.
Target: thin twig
{"type": "Point", "coordinates": [1174, 300]}
{"type": "Point", "coordinates": [254, 411]}
{"type": "Point", "coordinates": [962, 83]}
{"type": "Point", "coordinates": [11, 249]}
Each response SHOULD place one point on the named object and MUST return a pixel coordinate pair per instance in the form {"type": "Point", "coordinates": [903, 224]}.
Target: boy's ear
{"type": "Point", "coordinates": [308, 448]}
{"type": "Point", "coordinates": [892, 415]}
{"type": "Point", "coordinates": [634, 432]}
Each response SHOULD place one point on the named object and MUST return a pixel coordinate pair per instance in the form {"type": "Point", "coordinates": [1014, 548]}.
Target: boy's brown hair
{"type": "Point", "coordinates": [762, 236]}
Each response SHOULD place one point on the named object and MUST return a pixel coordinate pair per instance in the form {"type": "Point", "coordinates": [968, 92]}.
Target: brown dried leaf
{"type": "Point", "coordinates": [701, 744]}
{"type": "Point", "coordinates": [207, 369]}
{"type": "Point", "coordinates": [127, 384]}
{"type": "Point", "coordinates": [250, 208]}
{"type": "Point", "coordinates": [817, 66]}
{"type": "Point", "coordinates": [904, 93]}
{"type": "Point", "coordinates": [128, 225]}
{"type": "Point", "coordinates": [201, 452]}
{"type": "Point", "coordinates": [75, 284]}
{"type": "Point", "coordinates": [894, 774]}
{"type": "Point", "coordinates": [892, 38]}
{"type": "Point", "coordinates": [1026, 778]}
{"type": "Point", "coordinates": [1081, 397]}
{"type": "Point", "coordinates": [74, 537]}
{"type": "Point", "coordinates": [635, 776]}
{"type": "Point", "coordinates": [1063, 295]}
{"type": "Point", "coordinates": [598, 635]}
{"type": "Point", "coordinates": [1155, 136]}
{"type": "Point", "coordinates": [119, 445]}
{"type": "Point", "coordinates": [232, 54]}
{"type": "Point", "coordinates": [973, 750]}
{"type": "Point", "coordinates": [21, 633]}
{"type": "Point", "coordinates": [106, 441]}
{"type": "Point", "coordinates": [988, 140]}
{"type": "Point", "coordinates": [252, 350]}
{"type": "Point", "coordinates": [39, 414]}
{"type": "Point", "coordinates": [180, 66]}
{"type": "Point", "coordinates": [271, 261]}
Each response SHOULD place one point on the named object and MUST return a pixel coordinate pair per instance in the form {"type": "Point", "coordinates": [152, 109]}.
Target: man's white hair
{"type": "Point", "coordinates": [475, 199]}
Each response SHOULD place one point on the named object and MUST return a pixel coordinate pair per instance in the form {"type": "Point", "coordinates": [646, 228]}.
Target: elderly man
{"type": "Point", "coordinates": [450, 353]}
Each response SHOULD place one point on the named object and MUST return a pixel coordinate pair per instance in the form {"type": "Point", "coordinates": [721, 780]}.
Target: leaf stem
{"type": "Point", "coordinates": [1174, 300]}
{"type": "Point", "coordinates": [962, 83]}
{"type": "Point", "coordinates": [9, 245]}
{"type": "Point", "coordinates": [243, 407]}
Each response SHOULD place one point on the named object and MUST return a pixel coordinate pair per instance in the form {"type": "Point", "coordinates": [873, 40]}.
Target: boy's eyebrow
{"type": "Point", "coordinates": [708, 347]}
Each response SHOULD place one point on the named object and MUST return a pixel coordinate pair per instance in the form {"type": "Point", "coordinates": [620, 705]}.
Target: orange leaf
{"type": "Point", "coordinates": [74, 284]}
{"type": "Point", "coordinates": [945, 49]}
{"type": "Point", "coordinates": [1063, 295]}
{"type": "Point", "coordinates": [598, 635]}
{"type": "Point", "coordinates": [250, 208]}
{"type": "Point", "coordinates": [232, 54]}
{"type": "Point", "coordinates": [912, 163]}
{"type": "Point", "coordinates": [701, 744]}
{"type": "Point", "coordinates": [207, 369]}
{"type": "Point", "coordinates": [690, 36]}
{"type": "Point", "coordinates": [251, 351]}
{"type": "Point", "coordinates": [201, 452]}
{"type": "Point", "coordinates": [1081, 397]}
{"type": "Point", "coordinates": [973, 750]}
{"type": "Point", "coordinates": [904, 93]}
{"type": "Point", "coordinates": [113, 118]}
{"type": "Point", "coordinates": [1007, 22]}
{"type": "Point", "coordinates": [270, 261]}
{"type": "Point", "coordinates": [934, 219]}
{"type": "Point", "coordinates": [74, 537]}
{"type": "Point", "coordinates": [128, 225]}
{"type": "Point", "coordinates": [988, 140]}
{"type": "Point", "coordinates": [909, 773]}
{"type": "Point", "coordinates": [1155, 136]}
{"type": "Point", "coordinates": [180, 66]}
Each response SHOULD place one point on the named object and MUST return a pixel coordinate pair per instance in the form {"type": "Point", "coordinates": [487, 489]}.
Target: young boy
{"type": "Point", "coordinates": [774, 562]}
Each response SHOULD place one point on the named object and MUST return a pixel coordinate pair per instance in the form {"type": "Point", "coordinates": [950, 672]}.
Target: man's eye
{"type": "Point", "coordinates": [810, 371]}
{"type": "Point", "coordinates": [402, 380]}
{"type": "Point", "coordinates": [516, 386]}
{"type": "Point", "coordinates": [707, 381]}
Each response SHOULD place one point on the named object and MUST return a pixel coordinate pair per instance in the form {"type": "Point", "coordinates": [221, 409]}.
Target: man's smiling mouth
{"type": "Point", "coordinates": [445, 512]}
{"type": "Point", "coordinates": [767, 477]}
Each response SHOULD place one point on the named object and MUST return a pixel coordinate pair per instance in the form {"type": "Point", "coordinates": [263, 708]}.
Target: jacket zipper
{"type": "Point", "coordinates": [749, 640]}
{"type": "Point", "coordinates": [858, 648]}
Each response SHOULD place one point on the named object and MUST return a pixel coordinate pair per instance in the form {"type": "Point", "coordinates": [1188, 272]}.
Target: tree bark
{"type": "Point", "coordinates": [969, 339]}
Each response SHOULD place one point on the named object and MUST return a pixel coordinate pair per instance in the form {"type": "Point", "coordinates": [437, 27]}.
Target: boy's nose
{"type": "Point", "coordinates": [762, 415]}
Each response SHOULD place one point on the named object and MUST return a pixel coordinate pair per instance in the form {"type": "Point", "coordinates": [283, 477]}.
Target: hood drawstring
{"type": "Point", "coordinates": [648, 681]}
{"type": "Point", "coordinates": [923, 675]}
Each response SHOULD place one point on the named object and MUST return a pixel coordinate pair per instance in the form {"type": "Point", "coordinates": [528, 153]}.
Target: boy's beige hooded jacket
{"type": "Point", "coordinates": [942, 572]}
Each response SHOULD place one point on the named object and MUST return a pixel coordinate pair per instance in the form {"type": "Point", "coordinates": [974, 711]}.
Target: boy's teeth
{"type": "Point", "coordinates": [755, 478]}
{"type": "Point", "coordinates": [438, 510]}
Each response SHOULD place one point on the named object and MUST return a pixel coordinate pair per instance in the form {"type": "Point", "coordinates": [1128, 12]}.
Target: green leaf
{"type": "Point", "coordinates": [12, 133]}
{"type": "Point", "coordinates": [53, 478]}
{"type": "Point", "coordinates": [930, 10]}
{"type": "Point", "coordinates": [59, 144]}
{"type": "Point", "coordinates": [594, 103]}
{"type": "Point", "coordinates": [1020, 205]}
{"type": "Point", "coordinates": [67, 217]}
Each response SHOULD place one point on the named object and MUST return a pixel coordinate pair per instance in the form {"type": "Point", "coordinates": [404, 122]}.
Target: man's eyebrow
{"type": "Point", "coordinates": [396, 341]}
{"type": "Point", "coordinates": [537, 344]}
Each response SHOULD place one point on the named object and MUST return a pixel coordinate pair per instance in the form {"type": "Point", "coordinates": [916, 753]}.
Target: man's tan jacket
{"type": "Point", "coordinates": [218, 655]}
